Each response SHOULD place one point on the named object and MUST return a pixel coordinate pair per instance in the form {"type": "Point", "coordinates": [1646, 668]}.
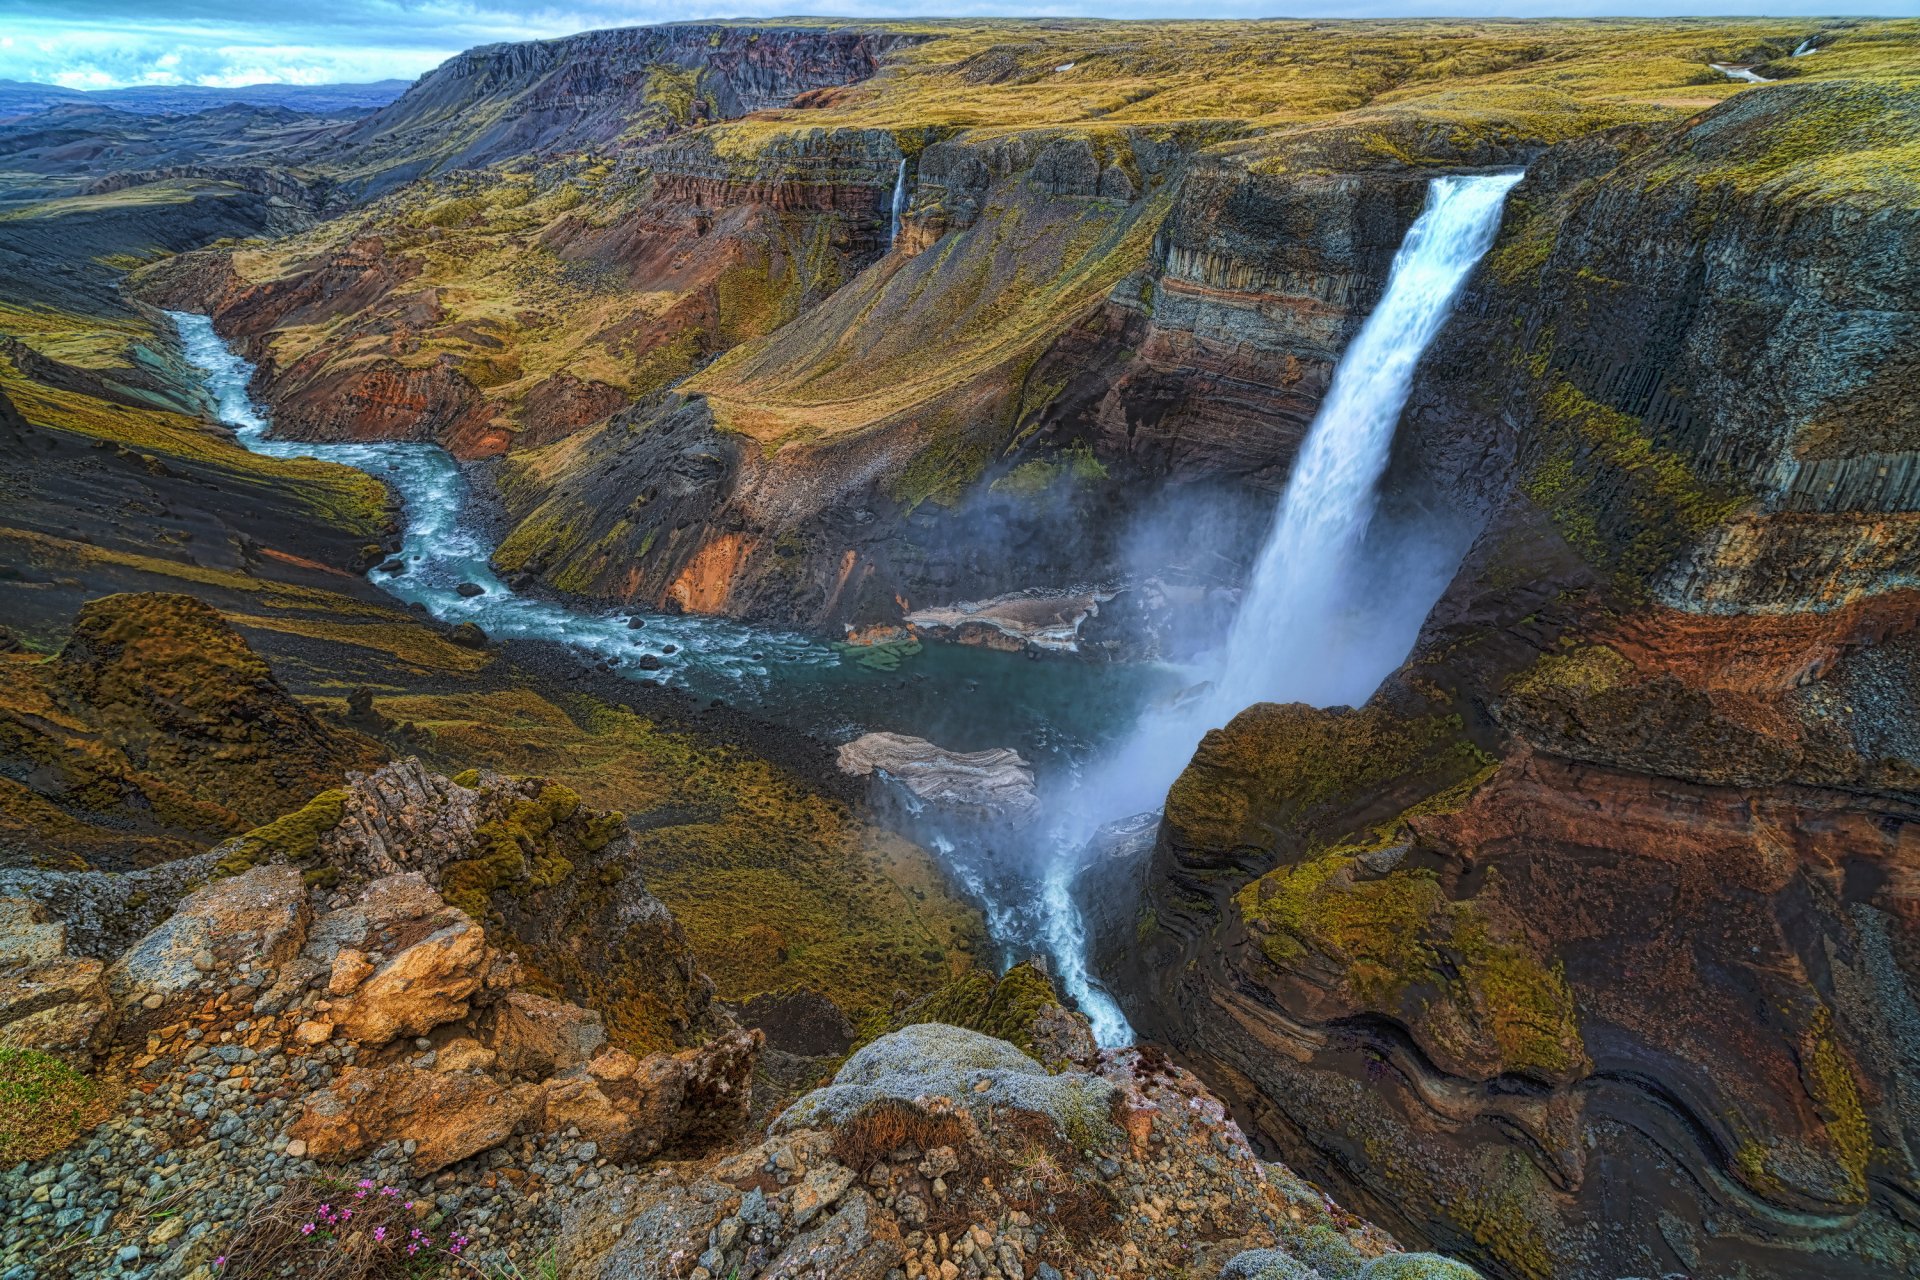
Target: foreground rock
{"type": "Point", "coordinates": [557, 881]}
{"type": "Point", "coordinates": [269, 1033]}
{"type": "Point", "coordinates": [939, 1152]}
{"type": "Point", "coordinates": [991, 785]}
{"type": "Point", "coordinates": [50, 1002]}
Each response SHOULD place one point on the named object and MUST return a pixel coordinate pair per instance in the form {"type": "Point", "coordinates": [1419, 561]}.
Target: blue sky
{"type": "Point", "coordinates": [99, 44]}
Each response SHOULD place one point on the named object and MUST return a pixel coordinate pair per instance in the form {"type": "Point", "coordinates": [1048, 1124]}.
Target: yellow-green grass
{"type": "Point", "coordinates": [99, 342]}
{"type": "Point", "coordinates": [988, 77]}
{"type": "Point", "coordinates": [340, 496]}
{"type": "Point", "coordinates": [775, 884]}
{"type": "Point", "coordinates": [44, 1104]}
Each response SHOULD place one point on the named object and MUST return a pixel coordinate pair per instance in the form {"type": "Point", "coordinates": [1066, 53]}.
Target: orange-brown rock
{"type": "Point", "coordinates": [533, 1036]}
{"type": "Point", "coordinates": [423, 983]}
{"type": "Point", "coordinates": [686, 1101]}
{"type": "Point", "coordinates": [449, 1115]}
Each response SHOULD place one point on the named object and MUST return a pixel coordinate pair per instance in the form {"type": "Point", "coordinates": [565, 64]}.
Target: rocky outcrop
{"type": "Point", "coordinates": [938, 1152]}
{"type": "Point", "coordinates": [558, 882]}
{"type": "Point", "coordinates": [1045, 621]}
{"type": "Point", "coordinates": [995, 785]}
{"type": "Point", "coordinates": [597, 88]}
{"type": "Point", "coordinates": [50, 1002]}
{"type": "Point", "coordinates": [157, 722]}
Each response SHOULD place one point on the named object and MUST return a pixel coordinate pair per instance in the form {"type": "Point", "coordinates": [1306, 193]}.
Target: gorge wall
{"type": "Point", "coordinates": [1608, 887]}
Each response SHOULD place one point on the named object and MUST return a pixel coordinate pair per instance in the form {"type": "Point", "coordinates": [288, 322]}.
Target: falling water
{"type": "Point", "coordinates": [1805, 47]}
{"type": "Point", "coordinates": [899, 204]}
{"type": "Point", "coordinates": [1304, 633]}
{"type": "Point", "coordinates": [1747, 74]}
{"type": "Point", "coordinates": [1286, 640]}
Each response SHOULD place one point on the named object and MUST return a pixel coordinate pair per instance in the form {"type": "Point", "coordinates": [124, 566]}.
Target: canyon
{"type": "Point", "coordinates": [824, 568]}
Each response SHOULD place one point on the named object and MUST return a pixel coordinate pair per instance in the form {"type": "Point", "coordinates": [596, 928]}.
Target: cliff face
{"type": "Point", "coordinates": [590, 91]}
{"type": "Point", "coordinates": [1073, 332]}
{"type": "Point", "coordinates": [1587, 941]}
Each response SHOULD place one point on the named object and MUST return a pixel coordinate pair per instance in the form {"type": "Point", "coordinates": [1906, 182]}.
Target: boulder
{"type": "Point", "coordinates": [1268, 1264]}
{"type": "Point", "coordinates": [448, 1115]}
{"type": "Point", "coordinates": [424, 984]}
{"type": "Point", "coordinates": [256, 920]}
{"type": "Point", "coordinates": [49, 1001]}
{"type": "Point", "coordinates": [683, 1101]}
{"type": "Point", "coordinates": [533, 1036]}
{"type": "Point", "coordinates": [28, 934]}
{"type": "Point", "coordinates": [1418, 1266]}
{"type": "Point", "coordinates": [917, 1065]}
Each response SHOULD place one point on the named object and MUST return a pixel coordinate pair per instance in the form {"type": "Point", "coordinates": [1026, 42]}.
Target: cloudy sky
{"type": "Point", "coordinates": [98, 44]}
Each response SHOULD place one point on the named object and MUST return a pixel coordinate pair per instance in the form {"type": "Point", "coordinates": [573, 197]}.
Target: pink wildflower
{"type": "Point", "coordinates": [379, 1233]}
{"type": "Point", "coordinates": [306, 1228]}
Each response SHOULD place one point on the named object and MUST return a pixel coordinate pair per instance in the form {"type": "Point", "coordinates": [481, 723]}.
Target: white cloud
{"type": "Point", "coordinates": [102, 43]}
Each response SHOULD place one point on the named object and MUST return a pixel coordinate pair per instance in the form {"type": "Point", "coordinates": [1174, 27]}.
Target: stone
{"type": "Point", "coordinates": [689, 1100]}
{"type": "Point", "coordinates": [463, 1053]}
{"type": "Point", "coordinates": [534, 1036]}
{"type": "Point", "coordinates": [1417, 1266]}
{"type": "Point", "coordinates": [258, 918]}
{"type": "Point", "coordinates": [313, 1032]}
{"type": "Point", "coordinates": [448, 1116]}
{"type": "Point", "coordinates": [819, 1189]}
{"type": "Point", "coordinates": [468, 635]}
{"type": "Point", "coordinates": [1267, 1264]}
{"type": "Point", "coordinates": [471, 589]}
{"type": "Point", "coordinates": [424, 985]}
{"type": "Point", "coordinates": [28, 933]}
{"type": "Point", "coordinates": [351, 967]}
{"type": "Point", "coordinates": [969, 1071]}
{"type": "Point", "coordinates": [996, 784]}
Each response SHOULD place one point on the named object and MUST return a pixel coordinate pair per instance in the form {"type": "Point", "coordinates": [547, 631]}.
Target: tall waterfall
{"type": "Point", "coordinates": [1285, 642]}
{"type": "Point", "coordinates": [899, 205]}
{"type": "Point", "coordinates": [1309, 629]}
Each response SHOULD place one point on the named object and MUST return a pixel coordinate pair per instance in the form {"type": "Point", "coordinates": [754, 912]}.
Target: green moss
{"type": "Point", "coordinates": [294, 837]}
{"type": "Point", "coordinates": [525, 849]}
{"type": "Point", "coordinates": [1005, 1008]}
{"type": "Point", "coordinates": [1830, 1082]}
{"type": "Point", "coordinates": [1398, 942]}
{"type": "Point", "coordinates": [44, 1104]}
{"type": "Point", "coordinates": [1623, 502]}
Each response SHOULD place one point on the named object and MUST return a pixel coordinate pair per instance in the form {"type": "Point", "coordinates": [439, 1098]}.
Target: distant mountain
{"type": "Point", "coordinates": [18, 97]}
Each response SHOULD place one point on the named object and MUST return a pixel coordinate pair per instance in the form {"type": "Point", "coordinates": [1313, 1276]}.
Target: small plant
{"type": "Point", "coordinates": [324, 1229]}
{"type": "Point", "coordinates": [44, 1104]}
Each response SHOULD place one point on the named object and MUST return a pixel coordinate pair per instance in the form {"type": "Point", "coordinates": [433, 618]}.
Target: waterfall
{"type": "Point", "coordinates": [899, 204]}
{"type": "Point", "coordinates": [1747, 74]}
{"type": "Point", "coordinates": [1299, 593]}
{"type": "Point", "coordinates": [1805, 47]}
{"type": "Point", "coordinates": [1309, 629]}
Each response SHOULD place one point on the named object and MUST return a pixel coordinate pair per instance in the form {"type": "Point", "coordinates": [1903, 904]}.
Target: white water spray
{"type": "Point", "coordinates": [1290, 640]}
{"type": "Point", "coordinates": [1747, 74]}
{"type": "Point", "coordinates": [1302, 633]}
{"type": "Point", "coordinates": [899, 205]}
{"type": "Point", "coordinates": [1805, 47]}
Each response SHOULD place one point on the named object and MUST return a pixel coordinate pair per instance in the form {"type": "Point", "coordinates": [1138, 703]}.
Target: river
{"type": "Point", "coordinates": [1061, 713]}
